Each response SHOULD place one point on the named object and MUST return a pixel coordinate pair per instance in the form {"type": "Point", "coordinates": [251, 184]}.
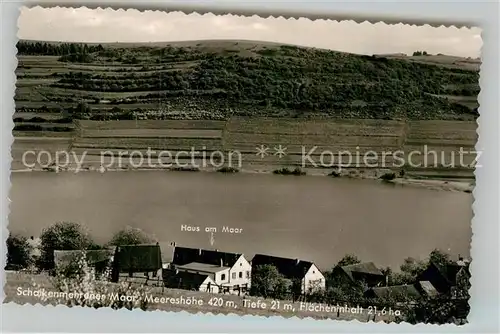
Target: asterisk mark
{"type": "Point", "coordinates": [262, 151]}
{"type": "Point", "coordinates": [280, 151]}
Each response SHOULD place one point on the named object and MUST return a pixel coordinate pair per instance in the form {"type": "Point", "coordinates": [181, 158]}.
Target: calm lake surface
{"type": "Point", "coordinates": [312, 218]}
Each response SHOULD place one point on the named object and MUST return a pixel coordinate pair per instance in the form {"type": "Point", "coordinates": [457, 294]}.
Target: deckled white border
{"type": "Point", "coordinates": [485, 244]}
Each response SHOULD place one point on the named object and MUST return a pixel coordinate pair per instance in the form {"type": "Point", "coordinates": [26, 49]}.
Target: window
{"type": "Point", "coordinates": [223, 277]}
{"type": "Point", "coordinates": [233, 275]}
{"type": "Point", "coordinates": [248, 274]}
{"type": "Point", "coordinates": [241, 264]}
{"type": "Point", "coordinates": [241, 274]}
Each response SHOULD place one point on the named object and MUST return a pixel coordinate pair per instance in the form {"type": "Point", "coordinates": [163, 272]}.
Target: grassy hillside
{"type": "Point", "coordinates": [217, 79]}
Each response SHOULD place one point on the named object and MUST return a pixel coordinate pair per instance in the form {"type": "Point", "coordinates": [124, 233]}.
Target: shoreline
{"type": "Point", "coordinates": [467, 185]}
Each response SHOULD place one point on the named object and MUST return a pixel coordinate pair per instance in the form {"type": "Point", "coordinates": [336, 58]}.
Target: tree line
{"type": "Point", "coordinates": [62, 236]}
{"type": "Point", "coordinates": [33, 48]}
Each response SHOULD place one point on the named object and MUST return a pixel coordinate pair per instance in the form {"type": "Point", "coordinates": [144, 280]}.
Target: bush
{"type": "Point", "coordinates": [348, 260]}
{"type": "Point", "coordinates": [130, 236]}
{"type": "Point", "coordinates": [334, 173]}
{"type": "Point", "coordinates": [285, 171]}
{"type": "Point", "coordinates": [18, 253]}
{"type": "Point", "coordinates": [388, 176]}
{"type": "Point", "coordinates": [77, 58]}
{"type": "Point", "coordinates": [62, 236]}
{"type": "Point", "coordinates": [82, 108]}
{"type": "Point", "coordinates": [185, 169]}
{"type": "Point", "coordinates": [228, 170]}
{"type": "Point", "coordinates": [82, 288]}
{"type": "Point", "coordinates": [440, 258]}
{"type": "Point", "coordinates": [267, 282]}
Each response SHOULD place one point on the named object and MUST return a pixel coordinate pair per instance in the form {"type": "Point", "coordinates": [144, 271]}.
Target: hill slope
{"type": "Point", "coordinates": [217, 79]}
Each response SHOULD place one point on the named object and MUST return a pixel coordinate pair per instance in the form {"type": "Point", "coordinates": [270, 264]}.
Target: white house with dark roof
{"type": "Point", "coordinates": [231, 272]}
{"type": "Point", "coordinates": [306, 272]}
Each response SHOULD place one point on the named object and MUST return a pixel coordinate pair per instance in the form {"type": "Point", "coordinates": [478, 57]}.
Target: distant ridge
{"type": "Point", "coordinates": [213, 43]}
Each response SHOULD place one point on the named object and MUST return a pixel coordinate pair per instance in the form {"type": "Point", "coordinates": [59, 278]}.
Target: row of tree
{"type": "Point", "coordinates": [55, 49]}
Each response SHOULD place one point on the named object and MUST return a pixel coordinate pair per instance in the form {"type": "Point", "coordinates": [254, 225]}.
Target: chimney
{"type": "Point", "coordinates": [297, 261]}
{"type": "Point", "coordinates": [221, 262]}
{"type": "Point", "coordinates": [199, 251]}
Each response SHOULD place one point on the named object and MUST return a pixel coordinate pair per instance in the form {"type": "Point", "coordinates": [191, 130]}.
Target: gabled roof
{"type": "Point", "coordinates": [405, 290]}
{"type": "Point", "coordinates": [66, 257]}
{"type": "Point", "coordinates": [290, 268]}
{"type": "Point", "coordinates": [427, 288]}
{"type": "Point", "coordinates": [450, 270]}
{"type": "Point", "coordinates": [184, 280]}
{"type": "Point", "coordinates": [138, 258]}
{"type": "Point", "coordinates": [362, 268]}
{"type": "Point", "coordinates": [184, 255]}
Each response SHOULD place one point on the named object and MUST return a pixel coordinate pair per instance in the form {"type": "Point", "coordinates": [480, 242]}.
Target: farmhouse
{"type": "Point", "coordinates": [366, 273]}
{"type": "Point", "coordinates": [444, 277]}
{"type": "Point", "coordinates": [189, 281]}
{"type": "Point", "coordinates": [310, 277]}
{"type": "Point", "coordinates": [231, 272]}
{"type": "Point", "coordinates": [405, 292]}
{"type": "Point", "coordinates": [132, 259]}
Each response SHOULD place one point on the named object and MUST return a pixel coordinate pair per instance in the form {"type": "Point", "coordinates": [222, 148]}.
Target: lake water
{"type": "Point", "coordinates": [312, 218]}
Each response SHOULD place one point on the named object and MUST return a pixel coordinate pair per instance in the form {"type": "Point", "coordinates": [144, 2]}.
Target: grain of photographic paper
{"type": "Point", "coordinates": [243, 165]}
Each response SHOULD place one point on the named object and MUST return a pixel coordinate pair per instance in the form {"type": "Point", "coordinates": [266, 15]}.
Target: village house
{"type": "Point", "coordinates": [403, 292]}
{"type": "Point", "coordinates": [98, 261]}
{"type": "Point", "coordinates": [364, 273]}
{"type": "Point", "coordinates": [310, 277]}
{"type": "Point", "coordinates": [141, 261]}
{"type": "Point", "coordinates": [231, 272]}
{"type": "Point", "coordinates": [444, 277]}
{"type": "Point", "coordinates": [400, 293]}
{"type": "Point", "coordinates": [185, 280]}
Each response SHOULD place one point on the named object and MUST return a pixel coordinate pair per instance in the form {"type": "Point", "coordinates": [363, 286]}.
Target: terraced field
{"type": "Point", "coordinates": [442, 143]}
{"type": "Point", "coordinates": [327, 142]}
{"type": "Point", "coordinates": [238, 95]}
{"type": "Point", "coordinates": [26, 150]}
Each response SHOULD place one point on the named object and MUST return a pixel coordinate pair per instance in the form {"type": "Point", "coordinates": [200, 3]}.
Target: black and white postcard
{"type": "Point", "coordinates": [243, 165]}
